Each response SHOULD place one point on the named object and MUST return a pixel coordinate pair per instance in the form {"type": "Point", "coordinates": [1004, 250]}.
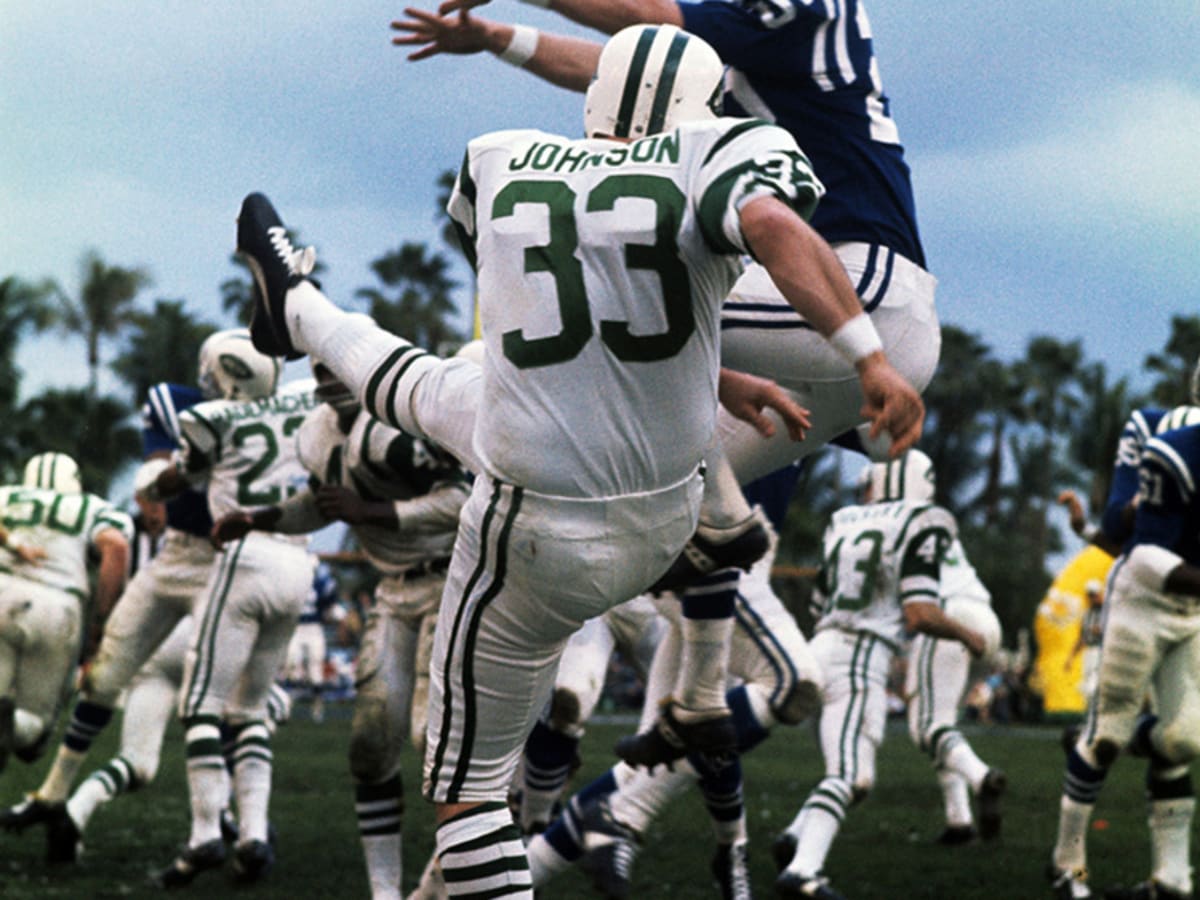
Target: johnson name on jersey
{"type": "Point", "coordinates": [246, 451]}
{"type": "Point", "coordinates": [612, 261]}
{"type": "Point", "coordinates": [878, 557]}
{"type": "Point", "coordinates": [65, 526]}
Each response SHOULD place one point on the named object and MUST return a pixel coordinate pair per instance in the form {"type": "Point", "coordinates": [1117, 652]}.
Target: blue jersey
{"type": "Point", "coordinates": [1168, 513]}
{"type": "Point", "coordinates": [809, 67]}
{"type": "Point", "coordinates": [160, 431]}
{"type": "Point", "coordinates": [1139, 428]}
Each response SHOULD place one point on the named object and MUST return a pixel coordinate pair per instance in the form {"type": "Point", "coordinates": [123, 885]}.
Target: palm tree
{"type": "Point", "coordinates": [163, 346]}
{"type": "Point", "coordinates": [94, 430]}
{"type": "Point", "coordinates": [103, 308]}
{"type": "Point", "coordinates": [1175, 364]}
{"type": "Point", "coordinates": [420, 303]}
{"type": "Point", "coordinates": [23, 308]}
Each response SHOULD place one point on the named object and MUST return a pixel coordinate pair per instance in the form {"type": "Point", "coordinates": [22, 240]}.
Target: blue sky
{"type": "Point", "coordinates": [1055, 148]}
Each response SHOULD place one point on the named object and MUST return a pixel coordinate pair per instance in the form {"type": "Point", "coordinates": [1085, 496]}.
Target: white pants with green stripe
{"type": "Point", "coordinates": [854, 707]}
{"type": "Point", "coordinates": [528, 571]}
{"type": "Point", "coordinates": [248, 613]}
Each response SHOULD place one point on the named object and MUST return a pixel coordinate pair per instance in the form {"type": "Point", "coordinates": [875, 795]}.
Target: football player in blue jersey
{"type": "Point", "coordinates": [1151, 632]}
{"type": "Point", "coordinates": [1151, 643]}
{"type": "Point", "coordinates": [809, 67]}
{"type": "Point", "coordinates": [305, 667]}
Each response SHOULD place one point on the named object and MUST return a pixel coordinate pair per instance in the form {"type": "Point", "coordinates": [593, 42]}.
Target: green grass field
{"type": "Point", "coordinates": [885, 850]}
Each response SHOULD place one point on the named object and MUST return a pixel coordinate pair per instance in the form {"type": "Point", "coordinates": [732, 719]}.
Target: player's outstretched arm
{"type": "Point", "coordinates": [810, 275]}
{"type": "Point", "coordinates": [609, 16]}
{"type": "Point", "coordinates": [928, 618]}
{"type": "Point", "coordinates": [748, 397]}
{"type": "Point", "coordinates": [563, 61]}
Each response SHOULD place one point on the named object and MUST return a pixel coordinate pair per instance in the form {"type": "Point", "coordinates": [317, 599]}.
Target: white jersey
{"type": "Point", "coordinates": [602, 268]}
{"type": "Point", "coordinates": [65, 526]}
{"type": "Point", "coordinates": [246, 450]}
{"type": "Point", "coordinates": [960, 581]}
{"type": "Point", "coordinates": [879, 557]}
{"type": "Point", "coordinates": [379, 462]}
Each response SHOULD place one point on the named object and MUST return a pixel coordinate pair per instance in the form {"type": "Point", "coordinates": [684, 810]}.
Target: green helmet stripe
{"type": "Point", "coordinates": [666, 83]}
{"type": "Point", "coordinates": [633, 81]}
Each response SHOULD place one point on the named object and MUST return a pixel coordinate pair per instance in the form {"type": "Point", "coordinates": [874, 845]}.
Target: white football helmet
{"type": "Point", "coordinates": [55, 471]}
{"type": "Point", "coordinates": [910, 477]}
{"type": "Point", "coordinates": [649, 79]}
{"type": "Point", "coordinates": [230, 367]}
{"type": "Point", "coordinates": [1178, 417]}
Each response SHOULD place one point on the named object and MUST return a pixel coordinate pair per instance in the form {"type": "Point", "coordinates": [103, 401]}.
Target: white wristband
{"type": "Point", "coordinates": [1149, 565]}
{"type": "Point", "coordinates": [856, 339]}
{"type": "Point", "coordinates": [522, 46]}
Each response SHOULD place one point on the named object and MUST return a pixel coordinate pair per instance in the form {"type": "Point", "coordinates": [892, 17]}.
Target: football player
{"type": "Point", "coordinates": [937, 669]}
{"type": "Point", "coordinates": [602, 265]}
{"type": "Point", "coordinates": [401, 496]}
{"type": "Point", "coordinates": [880, 577]}
{"type": "Point", "coordinates": [243, 447]}
{"type": "Point", "coordinates": [780, 55]}
{"type": "Point", "coordinates": [50, 526]}
{"type": "Point", "coordinates": [1151, 643]}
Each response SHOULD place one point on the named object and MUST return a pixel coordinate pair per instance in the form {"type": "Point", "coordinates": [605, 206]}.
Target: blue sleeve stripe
{"type": "Point", "coordinates": [163, 405]}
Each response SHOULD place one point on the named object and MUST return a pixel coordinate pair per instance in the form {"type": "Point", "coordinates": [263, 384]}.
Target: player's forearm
{"type": "Point", "coordinates": [566, 62]}
{"type": "Point", "coordinates": [803, 266]}
{"type": "Point", "coordinates": [433, 512]}
{"type": "Point", "coordinates": [110, 578]}
{"type": "Point", "coordinates": [610, 16]}
{"type": "Point", "coordinates": [295, 515]}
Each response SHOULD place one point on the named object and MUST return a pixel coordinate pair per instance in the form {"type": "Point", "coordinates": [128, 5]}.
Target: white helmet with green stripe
{"type": "Point", "coordinates": [908, 478]}
{"type": "Point", "coordinates": [231, 367]}
{"type": "Point", "coordinates": [55, 471]}
{"type": "Point", "coordinates": [649, 79]}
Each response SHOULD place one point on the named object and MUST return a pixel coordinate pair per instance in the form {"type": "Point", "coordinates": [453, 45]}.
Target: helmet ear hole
{"type": "Point", "coordinates": [651, 78]}
{"type": "Point", "coordinates": [231, 368]}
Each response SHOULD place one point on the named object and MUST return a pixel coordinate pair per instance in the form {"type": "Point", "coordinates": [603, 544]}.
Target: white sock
{"type": "Point", "coordinates": [56, 786]}
{"type": "Point", "coordinates": [703, 666]}
{"type": "Point", "coordinates": [956, 798]}
{"type": "Point", "coordinates": [97, 789]}
{"type": "Point", "coordinates": [1070, 850]}
{"type": "Point", "coordinates": [544, 861]}
{"type": "Point", "coordinates": [252, 765]}
{"type": "Point", "coordinates": [640, 796]}
{"type": "Point", "coordinates": [384, 871]}
{"type": "Point", "coordinates": [1170, 824]}
{"type": "Point", "coordinates": [958, 756]}
{"type": "Point", "coordinates": [815, 829]}
{"type": "Point", "coordinates": [207, 786]}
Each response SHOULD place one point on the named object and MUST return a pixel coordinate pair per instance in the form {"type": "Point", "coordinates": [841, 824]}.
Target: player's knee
{"type": "Point", "coordinates": [371, 746]}
{"type": "Point", "coordinates": [1179, 741]}
{"type": "Point", "coordinates": [800, 703]}
{"type": "Point", "coordinates": [564, 710]}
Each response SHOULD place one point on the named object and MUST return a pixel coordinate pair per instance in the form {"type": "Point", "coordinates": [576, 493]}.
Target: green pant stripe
{"type": "Point", "coordinates": [470, 719]}
{"type": "Point", "coordinates": [207, 642]}
{"type": "Point", "coordinates": [444, 729]}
